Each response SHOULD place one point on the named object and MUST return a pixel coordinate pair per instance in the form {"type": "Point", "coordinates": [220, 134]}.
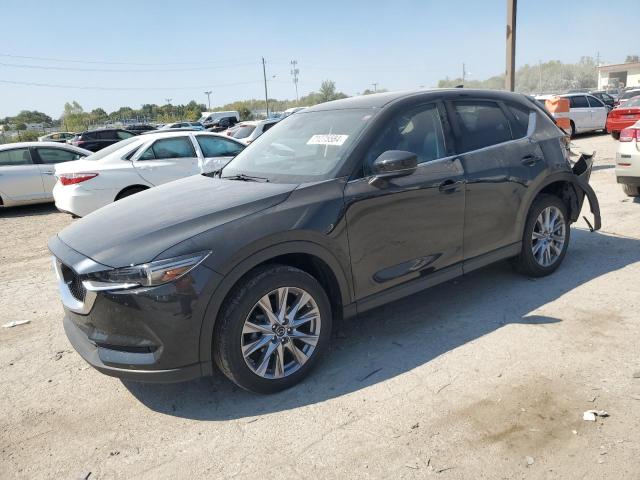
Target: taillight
{"type": "Point", "coordinates": [629, 135]}
{"type": "Point", "coordinates": [73, 178]}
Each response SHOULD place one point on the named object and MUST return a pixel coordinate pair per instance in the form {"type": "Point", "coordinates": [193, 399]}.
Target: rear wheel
{"type": "Point", "coordinates": [546, 237]}
{"type": "Point", "coordinates": [615, 135]}
{"type": "Point", "coordinates": [631, 190]}
{"type": "Point", "coordinates": [273, 329]}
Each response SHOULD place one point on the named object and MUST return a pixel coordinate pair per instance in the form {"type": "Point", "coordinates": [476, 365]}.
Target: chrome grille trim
{"type": "Point", "coordinates": [74, 296]}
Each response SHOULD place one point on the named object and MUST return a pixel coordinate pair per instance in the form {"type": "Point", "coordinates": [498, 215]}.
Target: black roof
{"type": "Point", "coordinates": [379, 100]}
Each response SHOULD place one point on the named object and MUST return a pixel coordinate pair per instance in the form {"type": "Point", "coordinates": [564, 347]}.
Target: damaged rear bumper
{"type": "Point", "coordinates": [582, 172]}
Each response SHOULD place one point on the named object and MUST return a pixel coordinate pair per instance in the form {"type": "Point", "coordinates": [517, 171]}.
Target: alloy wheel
{"type": "Point", "coordinates": [281, 332]}
{"type": "Point", "coordinates": [548, 236]}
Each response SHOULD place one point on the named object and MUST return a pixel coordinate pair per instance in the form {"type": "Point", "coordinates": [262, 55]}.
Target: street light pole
{"type": "Point", "coordinates": [375, 87]}
{"type": "Point", "coordinates": [208, 94]}
{"type": "Point", "coordinates": [266, 95]}
{"type": "Point", "coordinates": [510, 73]}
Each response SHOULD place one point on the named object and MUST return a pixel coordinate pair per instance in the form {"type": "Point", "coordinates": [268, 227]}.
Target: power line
{"type": "Point", "coordinates": [121, 70]}
{"type": "Point", "coordinates": [100, 62]}
{"type": "Point", "coordinates": [87, 87]}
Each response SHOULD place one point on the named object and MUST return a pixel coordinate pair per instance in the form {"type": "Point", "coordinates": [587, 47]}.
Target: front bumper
{"type": "Point", "coordinates": [143, 334]}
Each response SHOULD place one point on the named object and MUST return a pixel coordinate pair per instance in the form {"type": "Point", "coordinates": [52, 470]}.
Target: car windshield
{"type": "Point", "coordinates": [305, 147]}
{"type": "Point", "coordinates": [112, 148]}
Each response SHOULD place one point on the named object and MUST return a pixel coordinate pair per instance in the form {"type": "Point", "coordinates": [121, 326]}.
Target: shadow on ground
{"type": "Point", "coordinates": [28, 210]}
{"type": "Point", "coordinates": [401, 336]}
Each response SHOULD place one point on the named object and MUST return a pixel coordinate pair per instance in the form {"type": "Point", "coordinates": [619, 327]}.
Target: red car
{"type": "Point", "coordinates": [623, 116]}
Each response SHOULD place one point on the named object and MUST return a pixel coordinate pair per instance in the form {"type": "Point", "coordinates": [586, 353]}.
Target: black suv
{"type": "Point", "coordinates": [221, 124]}
{"type": "Point", "coordinates": [95, 140]}
{"type": "Point", "coordinates": [337, 209]}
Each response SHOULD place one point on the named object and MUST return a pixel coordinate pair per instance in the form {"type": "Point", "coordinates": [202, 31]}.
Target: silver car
{"type": "Point", "coordinates": [27, 170]}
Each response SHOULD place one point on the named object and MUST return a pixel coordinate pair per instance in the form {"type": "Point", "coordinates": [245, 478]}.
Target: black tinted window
{"type": "Point", "coordinates": [418, 131]}
{"type": "Point", "coordinates": [57, 155]}
{"type": "Point", "coordinates": [217, 147]}
{"type": "Point", "coordinates": [89, 136]}
{"type": "Point", "coordinates": [19, 156]}
{"type": "Point", "coordinates": [122, 135]}
{"type": "Point", "coordinates": [106, 135]}
{"type": "Point", "coordinates": [521, 125]}
{"type": "Point", "coordinates": [179, 147]}
{"type": "Point", "coordinates": [267, 126]}
{"type": "Point", "coordinates": [579, 101]}
{"type": "Point", "coordinates": [482, 124]}
{"type": "Point", "coordinates": [594, 102]}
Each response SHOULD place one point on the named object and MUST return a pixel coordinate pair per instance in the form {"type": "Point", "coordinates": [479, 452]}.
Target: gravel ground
{"type": "Point", "coordinates": [484, 377]}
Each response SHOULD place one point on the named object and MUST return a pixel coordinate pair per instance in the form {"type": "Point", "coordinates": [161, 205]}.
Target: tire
{"type": "Point", "coordinates": [573, 129]}
{"type": "Point", "coordinates": [534, 265]}
{"type": "Point", "coordinates": [631, 190]}
{"type": "Point", "coordinates": [232, 336]}
{"type": "Point", "coordinates": [615, 135]}
{"type": "Point", "coordinates": [127, 192]}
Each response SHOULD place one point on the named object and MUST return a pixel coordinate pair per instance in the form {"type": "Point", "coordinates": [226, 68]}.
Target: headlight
{"type": "Point", "coordinates": [145, 275]}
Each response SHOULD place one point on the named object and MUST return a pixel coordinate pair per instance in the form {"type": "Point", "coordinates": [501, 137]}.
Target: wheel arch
{"type": "Point", "coordinates": [130, 187]}
{"type": "Point", "coordinates": [307, 256]}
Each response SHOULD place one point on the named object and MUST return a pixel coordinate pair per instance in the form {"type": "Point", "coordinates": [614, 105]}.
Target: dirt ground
{"type": "Point", "coordinates": [486, 376]}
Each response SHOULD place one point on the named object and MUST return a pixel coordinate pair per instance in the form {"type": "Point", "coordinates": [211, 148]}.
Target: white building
{"type": "Point", "coordinates": [619, 75]}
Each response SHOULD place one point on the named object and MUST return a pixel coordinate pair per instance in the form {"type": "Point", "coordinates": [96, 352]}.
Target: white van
{"type": "Point", "coordinates": [586, 112]}
{"type": "Point", "coordinates": [210, 117]}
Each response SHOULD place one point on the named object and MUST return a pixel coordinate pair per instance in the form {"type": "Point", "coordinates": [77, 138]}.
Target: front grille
{"type": "Point", "coordinates": [74, 283]}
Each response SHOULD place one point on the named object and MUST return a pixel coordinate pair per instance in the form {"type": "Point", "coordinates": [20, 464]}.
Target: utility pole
{"type": "Point", "coordinates": [266, 95]}
{"type": "Point", "coordinates": [168, 100]}
{"type": "Point", "coordinates": [464, 73]}
{"type": "Point", "coordinates": [540, 79]}
{"type": "Point", "coordinates": [294, 73]}
{"type": "Point", "coordinates": [208, 94]}
{"type": "Point", "coordinates": [375, 87]}
{"type": "Point", "coordinates": [510, 73]}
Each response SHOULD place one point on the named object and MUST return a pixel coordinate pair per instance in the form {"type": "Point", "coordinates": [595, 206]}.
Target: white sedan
{"type": "Point", "coordinates": [628, 160]}
{"type": "Point", "coordinates": [136, 164]}
{"type": "Point", "coordinates": [27, 168]}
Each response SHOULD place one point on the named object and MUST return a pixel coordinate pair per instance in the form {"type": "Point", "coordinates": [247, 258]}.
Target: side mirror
{"type": "Point", "coordinates": [391, 164]}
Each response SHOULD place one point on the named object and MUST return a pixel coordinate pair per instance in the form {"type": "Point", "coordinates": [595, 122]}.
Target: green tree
{"type": "Point", "coordinates": [20, 126]}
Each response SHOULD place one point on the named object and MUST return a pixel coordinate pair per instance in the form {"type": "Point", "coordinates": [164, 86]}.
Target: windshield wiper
{"type": "Point", "coordinates": [246, 178]}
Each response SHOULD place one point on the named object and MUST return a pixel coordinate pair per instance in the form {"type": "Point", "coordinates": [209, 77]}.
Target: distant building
{"type": "Point", "coordinates": [35, 127]}
{"type": "Point", "coordinates": [619, 75]}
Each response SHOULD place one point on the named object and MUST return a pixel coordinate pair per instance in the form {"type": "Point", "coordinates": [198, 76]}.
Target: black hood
{"type": "Point", "coordinates": [138, 228]}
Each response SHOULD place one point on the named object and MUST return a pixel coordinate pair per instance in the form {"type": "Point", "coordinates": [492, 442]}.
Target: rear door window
{"type": "Point", "coordinates": [123, 135]}
{"type": "Point", "coordinates": [18, 156]}
{"type": "Point", "coordinates": [106, 135]}
{"type": "Point", "coordinates": [57, 155]}
{"type": "Point", "coordinates": [217, 147]}
{"type": "Point", "coordinates": [482, 124]}
{"type": "Point", "coordinates": [578, 101]}
{"type": "Point", "coordinates": [594, 102]}
{"type": "Point", "coordinates": [520, 114]}
{"type": "Point", "coordinates": [178, 147]}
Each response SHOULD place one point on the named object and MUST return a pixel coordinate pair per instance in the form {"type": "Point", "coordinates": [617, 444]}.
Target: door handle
{"type": "Point", "coordinates": [448, 186]}
{"type": "Point", "coordinates": [530, 160]}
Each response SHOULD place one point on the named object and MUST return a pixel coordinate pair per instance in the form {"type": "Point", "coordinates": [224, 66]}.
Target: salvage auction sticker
{"type": "Point", "coordinates": [328, 139]}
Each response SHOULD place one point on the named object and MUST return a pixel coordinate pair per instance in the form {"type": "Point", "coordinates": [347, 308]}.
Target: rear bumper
{"type": "Point", "coordinates": [78, 201]}
{"type": "Point", "coordinates": [633, 181]}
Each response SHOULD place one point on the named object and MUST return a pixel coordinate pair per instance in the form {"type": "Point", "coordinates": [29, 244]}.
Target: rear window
{"type": "Point", "coordinates": [482, 124]}
{"type": "Point", "coordinates": [18, 156]}
{"type": "Point", "coordinates": [579, 101]}
{"type": "Point", "coordinates": [594, 102]}
{"type": "Point", "coordinates": [106, 135]}
{"type": "Point", "coordinates": [89, 136]}
{"type": "Point", "coordinates": [627, 95]}
{"type": "Point", "coordinates": [520, 127]}
{"type": "Point", "coordinates": [243, 131]}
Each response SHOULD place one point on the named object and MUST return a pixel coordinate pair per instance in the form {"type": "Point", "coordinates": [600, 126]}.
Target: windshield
{"type": "Point", "coordinates": [306, 147]}
{"type": "Point", "coordinates": [112, 148]}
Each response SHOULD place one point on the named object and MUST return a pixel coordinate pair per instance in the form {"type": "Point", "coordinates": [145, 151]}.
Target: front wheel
{"type": "Point", "coordinates": [273, 328]}
{"type": "Point", "coordinates": [546, 237]}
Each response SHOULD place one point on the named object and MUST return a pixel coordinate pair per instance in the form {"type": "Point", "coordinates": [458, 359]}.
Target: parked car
{"type": "Point", "coordinates": [62, 137]}
{"type": "Point", "coordinates": [209, 118]}
{"type": "Point", "coordinates": [96, 140]}
{"type": "Point", "coordinates": [336, 210]}
{"type": "Point", "coordinates": [623, 116]}
{"type": "Point", "coordinates": [140, 128]}
{"type": "Point", "coordinates": [628, 160]}
{"type": "Point", "coordinates": [603, 96]}
{"type": "Point", "coordinates": [222, 124]}
{"type": "Point", "coordinates": [26, 170]}
{"type": "Point", "coordinates": [628, 95]}
{"type": "Point", "coordinates": [291, 111]}
{"type": "Point", "coordinates": [137, 164]}
{"type": "Point", "coordinates": [247, 132]}
{"type": "Point", "coordinates": [185, 125]}
{"type": "Point", "coordinates": [586, 112]}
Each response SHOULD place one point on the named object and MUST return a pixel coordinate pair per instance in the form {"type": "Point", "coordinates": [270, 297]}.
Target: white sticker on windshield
{"type": "Point", "coordinates": [329, 139]}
